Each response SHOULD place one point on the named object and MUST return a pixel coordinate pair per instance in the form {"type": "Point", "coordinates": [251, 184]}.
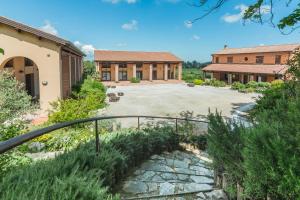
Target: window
{"type": "Point", "coordinates": [28, 62]}
{"type": "Point", "coordinates": [154, 66]}
{"type": "Point", "coordinates": [230, 59]}
{"type": "Point", "coordinates": [278, 59]}
{"type": "Point", "coordinates": [246, 59]}
{"type": "Point", "coordinates": [106, 65]}
{"type": "Point", "coordinates": [217, 59]}
{"type": "Point", "coordinates": [139, 75]}
{"type": "Point", "coordinates": [139, 65]}
{"type": "Point", "coordinates": [123, 75]}
{"type": "Point", "coordinates": [9, 64]}
{"type": "Point", "coordinates": [122, 65]}
{"type": "Point", "coordinates": [106, 76]}
{"type": "Point", "coordinates": [259, 59]}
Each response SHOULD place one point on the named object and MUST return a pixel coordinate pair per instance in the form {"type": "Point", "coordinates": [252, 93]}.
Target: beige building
{"type": "Point", "coordinates": [125, 65]}
{"type": "Point", "coordinates": [261, 63]}
{"type": "Point", "coordinates": [48, 65]}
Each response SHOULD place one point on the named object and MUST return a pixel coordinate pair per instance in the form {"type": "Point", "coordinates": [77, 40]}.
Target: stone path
{"type": "Point", "coordinates": [177, 175]}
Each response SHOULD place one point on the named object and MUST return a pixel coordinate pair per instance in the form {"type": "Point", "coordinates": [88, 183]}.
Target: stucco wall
{"type": "Point", "coordinates": [45, 54]}
{"type": "Point", "coordinates": [269, 58]}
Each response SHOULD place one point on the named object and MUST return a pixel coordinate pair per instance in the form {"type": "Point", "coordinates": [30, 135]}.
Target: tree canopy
{"type": "Point", "coordinates": [256, 12]}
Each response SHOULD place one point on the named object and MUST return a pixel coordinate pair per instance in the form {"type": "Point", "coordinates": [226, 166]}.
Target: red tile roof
{"type": "Point", "coordinates": [134, 56]}
{"type": "Point", "coordinates": [242, 68]}
{"type": "Point", "coordinates": [260, 49]}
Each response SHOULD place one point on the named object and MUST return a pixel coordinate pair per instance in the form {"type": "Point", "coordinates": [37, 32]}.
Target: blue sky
{"type": "Point", "coordinates": [147, 25]}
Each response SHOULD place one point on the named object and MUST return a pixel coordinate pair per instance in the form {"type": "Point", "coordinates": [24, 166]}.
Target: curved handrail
{"type": "Point", "coordinates": [18, 140]}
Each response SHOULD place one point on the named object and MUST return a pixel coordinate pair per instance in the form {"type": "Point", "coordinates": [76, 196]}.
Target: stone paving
{"type": "Point", "coordinates": [178, 175]}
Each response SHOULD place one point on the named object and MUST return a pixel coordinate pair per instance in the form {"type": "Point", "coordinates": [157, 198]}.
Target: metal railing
{"type": "Point", "coordinates": [21, 139]}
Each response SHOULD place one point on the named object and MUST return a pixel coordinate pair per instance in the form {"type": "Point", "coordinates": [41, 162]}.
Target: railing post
{"type": "Point", "coordinates": [176, 125]}
{"type": "Point", "coordinates": [138, 123]}
{"type": "Point", "coordinates": [97, 137]}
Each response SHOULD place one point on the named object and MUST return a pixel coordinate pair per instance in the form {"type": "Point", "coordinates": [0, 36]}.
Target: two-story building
{"type": "Point", "coordinates": [125, 65]}
{"type": "Point", "coordinates": [261, 63]}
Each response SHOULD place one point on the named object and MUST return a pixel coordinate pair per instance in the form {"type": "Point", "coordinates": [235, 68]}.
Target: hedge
{"type": "Point", "coordinates": [81, 174]}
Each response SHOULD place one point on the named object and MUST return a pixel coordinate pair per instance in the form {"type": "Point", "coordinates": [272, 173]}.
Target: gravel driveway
{"type": "Point", "coordinates": [171, 99]}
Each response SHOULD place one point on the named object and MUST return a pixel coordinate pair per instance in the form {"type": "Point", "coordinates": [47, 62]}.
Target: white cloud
{"type": "Point", "coordinates": [232, 18]}
{"type": "Point", "coordinates": [121, 44]}
{"type": "Point", "coordinates": [235, 17]}
{"type": "Point", "coordinates": [119, 1]}
{"type": "Point", "coordinates": [88, 49]}
{"type": "Point", "coordinates": [188, 24]}
{"type": "Point", "coordinates": [49, 28]}
{"type": "Point", "coordinates": [130, 26]}
{"type": "Point", "coordinates": [195, 37]}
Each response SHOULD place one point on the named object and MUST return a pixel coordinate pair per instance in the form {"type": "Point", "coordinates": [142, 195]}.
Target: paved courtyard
{"type": "Point", "coordinates": [171, 99]}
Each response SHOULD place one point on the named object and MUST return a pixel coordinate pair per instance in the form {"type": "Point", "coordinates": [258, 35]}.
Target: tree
{"type": "Point", "coordinates": [89, 68]}
{"type": "Point", "coordinates": [256, 12]}
{"type": "Point", "coordinates": [1, 51]}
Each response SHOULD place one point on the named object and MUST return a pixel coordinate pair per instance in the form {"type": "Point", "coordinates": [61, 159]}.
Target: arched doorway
{"type": "Point", "coordinates": [25, 71]}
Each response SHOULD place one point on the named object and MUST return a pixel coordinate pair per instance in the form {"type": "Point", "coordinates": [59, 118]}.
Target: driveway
{"type": "Point", "coordinates": [171, 99]}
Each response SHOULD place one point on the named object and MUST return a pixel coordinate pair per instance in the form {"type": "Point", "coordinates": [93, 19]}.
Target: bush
{"type": "Point", "coordinates": [225, 145]}
{"type": "Point", "coordinates": [277, 83]}
{"type": "Point", "coordinates": [264, 85]}
{"type": "Point", "coordinates": [135, 80]}
{"type": "Point", "coordinates": [237, 86]}
{"type": "Point", "coordinates": [90, 97]}
{"type": "Point", "coordinates": [190, 74]}
{"type": "Point", "coordinates": [81, 173]}
{"type": "Point", "coordinates": [252, 84]}
{"type": "Point", "coordinates": [215, 83]}
{"type": "Point", "coordinates": [14, 103]}
{"type": "Point", "coordinates": [198, 82]}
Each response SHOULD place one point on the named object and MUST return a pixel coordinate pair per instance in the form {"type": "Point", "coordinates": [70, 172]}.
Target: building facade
{"type": "Point", "coordinates": [125, 65]}
{"type": "Point", "coordinates": [47, 65]}
{"type": "Point", "coordinates": [261, 64]}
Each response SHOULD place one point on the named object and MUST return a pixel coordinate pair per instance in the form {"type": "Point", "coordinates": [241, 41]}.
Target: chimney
{"type": "Point", "coordinates": [225, 46]}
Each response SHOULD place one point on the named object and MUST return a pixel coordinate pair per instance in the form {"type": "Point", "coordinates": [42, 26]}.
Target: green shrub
{"type": "Point", "coordinates": [198, 82]}
{"type": "Point", "coordinates": [264, 85]}
{"type": "Point", "coordinates": [237, 86]}
{"type": "Point", "coordinates": [135, 80]}
{"type": "Point", "coordinates": [91, 86]}
{"type": "Point", "coordinates": [190, 74]}
{"type": "Point", "coordinates": [214, 82]}
{"type": "Point", "coordinates": [225, 145]}
{"type": "Point", "coordinates": [81, 173]}
{"type": "Point", "coordinates": [90, 98]}
{"type": "Point", "coordinates": [277, 83]}
{"type": "Point", "coordinates": [252, 84]}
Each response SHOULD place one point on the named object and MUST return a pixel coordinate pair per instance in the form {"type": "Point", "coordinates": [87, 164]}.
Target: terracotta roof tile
{"type": "Point", "coordinates": [242, 68]}
{"type": "Point", "coordinates": [135, 56]}
{"type": "Point", "coordinates": [259, 49]}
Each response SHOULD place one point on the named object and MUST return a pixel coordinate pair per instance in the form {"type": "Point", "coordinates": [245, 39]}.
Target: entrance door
{"type": "Point", "coordinates": [154, 75]}
{"type": "Point", "coordinates": [29, 84]}
{"type": "Point", "coordinates": [245, 79]}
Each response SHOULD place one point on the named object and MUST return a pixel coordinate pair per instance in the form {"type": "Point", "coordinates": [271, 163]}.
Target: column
{"type": "Point", "coordinates": [117, 72]}
{"type": "Point", "coordinates": [180, 71]}
{"type": "Point", "coordinates": [134, 71]}
{"type": "Point", "coordinates": [229, 78]}
{"type": "Point", "coordinates": [150, 72]}
{"type": "Point", "coordinates": [166, 72]}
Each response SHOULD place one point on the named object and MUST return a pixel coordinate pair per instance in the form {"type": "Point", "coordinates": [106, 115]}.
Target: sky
{"type": "Point", "coordinates": [149, 25]}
